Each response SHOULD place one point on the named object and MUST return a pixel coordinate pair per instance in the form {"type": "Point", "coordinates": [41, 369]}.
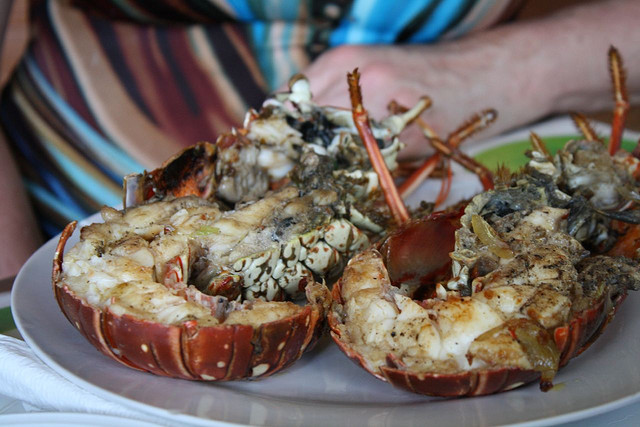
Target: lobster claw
{"type": "Point", "coordinates": [418, 252]}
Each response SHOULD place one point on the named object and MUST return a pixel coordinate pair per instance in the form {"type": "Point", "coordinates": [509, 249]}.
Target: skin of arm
{"type": "Point", "coordinates": [525, 70]}
{"type": "Point", "coordinates": [19, 230]}
{"type": "Point", "coordinates": [18, 227]}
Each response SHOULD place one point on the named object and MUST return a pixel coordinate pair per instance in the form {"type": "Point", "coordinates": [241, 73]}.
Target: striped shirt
{"type": "Point", "coordinates": [111, 87]}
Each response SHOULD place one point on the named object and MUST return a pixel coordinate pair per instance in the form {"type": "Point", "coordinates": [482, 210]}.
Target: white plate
{"type": "Point", "coordinates": [324, 387]}
{"type": "Point", "coordinates": [64, 419]}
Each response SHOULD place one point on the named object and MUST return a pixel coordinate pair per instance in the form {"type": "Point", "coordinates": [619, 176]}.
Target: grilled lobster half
{"type": "Point", "coordinates": [537, 268]}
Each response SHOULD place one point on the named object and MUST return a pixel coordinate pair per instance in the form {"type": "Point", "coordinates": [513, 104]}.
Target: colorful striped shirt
{"type": "Point", "coordinates": [111, 87]}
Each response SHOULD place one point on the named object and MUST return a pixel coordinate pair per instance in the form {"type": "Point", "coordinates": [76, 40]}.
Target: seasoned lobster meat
{"type": "Point", "coordinates": [175, 271]}
{"type": "Point", "coordinates": [284, 237]}
{"type": "Point", "coordinates": [506, 319]}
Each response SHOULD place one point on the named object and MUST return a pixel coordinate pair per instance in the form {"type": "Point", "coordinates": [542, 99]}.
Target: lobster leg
{"type": "Point", "coordinates": [361, 120]}
{"type": "Point", "coordinates": [426, 169]}
{"type": "Point", "coordinates": [445, 187]}
{"type": "Point", "coordinates": [585, 128]}
{"type": "Point", "coordinates": [484, 174]}
{"type": "Point", "coordinates": [396, 108]}
{"type": "Point", "coordinates": [402, 117]}
{"type": "Point", "coordinates": [414, 180]}
{"type": "Point", "coordinates": [476, 124]}
{"type": "Point", "coordinates": [539, 145]}
{"type": "Point", "coordinates": [620, 97]}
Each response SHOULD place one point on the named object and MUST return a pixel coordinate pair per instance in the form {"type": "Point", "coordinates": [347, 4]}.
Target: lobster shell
{"type": "Point", "coordinates": [190, 351]}
{"type": "Point", "coordinates": [571, 339]}
{"type": "Point", "coordinates": [188, 172]}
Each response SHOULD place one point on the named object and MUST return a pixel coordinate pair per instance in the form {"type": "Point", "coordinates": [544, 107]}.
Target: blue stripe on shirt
{"type": "Point", "coordinates": [242, 10]}
{"type": "Point", "coordinates": [118, 162]}
{"type": "Point", "coordinates": [438, 22]}
{"type": "Point", "coordinates": [350, 30]}
{"type": "Point", "coordinates": [260, 38]}
{"type": "Point", "coordinates": [84, 180]}
{"type": "Point", "coordinates": [42, 195]}
{"type": "Point", "coordinates": [40, 164]}
{"type": "Point", "coordinates": [371, 22]}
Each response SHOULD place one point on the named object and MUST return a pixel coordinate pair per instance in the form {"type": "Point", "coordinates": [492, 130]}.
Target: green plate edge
{"type": "Point", "coordinates": [512, 154]}
{"type": "Point", "coordinates": [6, 320]}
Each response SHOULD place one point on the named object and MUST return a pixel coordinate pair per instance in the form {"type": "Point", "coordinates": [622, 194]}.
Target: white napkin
{"type": "Point", "coordinates": [25, 377]}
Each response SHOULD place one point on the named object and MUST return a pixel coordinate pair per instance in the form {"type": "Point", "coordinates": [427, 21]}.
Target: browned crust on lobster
{"type": "Point", "coordinates": [189, 351]}
{"type": "Point", "coordinates": [571, 340]}
{"type": "Point", "coordinates": [191, 172]}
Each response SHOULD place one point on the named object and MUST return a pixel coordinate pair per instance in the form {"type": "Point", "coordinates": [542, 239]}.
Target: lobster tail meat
{"type": "Point", "coordinates": [130, 287]}
{"type": "Point", "coordinates": [502, 320]}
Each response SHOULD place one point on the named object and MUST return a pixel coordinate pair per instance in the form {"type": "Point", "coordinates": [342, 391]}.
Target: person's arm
{"type": "Point", "coordinates": [19, 232]}
{"type": "Point", "coordinates": [20, 235]}
{"type": "Point", "coordinates": [525, 70]}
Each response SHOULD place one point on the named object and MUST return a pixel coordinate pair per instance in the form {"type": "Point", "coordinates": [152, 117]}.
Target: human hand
{"type": "Point", "coordinates": [461, 82]}
{"type": "Point", "coordinates": [525, 71]}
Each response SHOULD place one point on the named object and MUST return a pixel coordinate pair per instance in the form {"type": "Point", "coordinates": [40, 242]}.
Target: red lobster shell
{"type": "Point", "coordinates": [190, 351]}
{"type": "Point", "coordinates": [571, 339]}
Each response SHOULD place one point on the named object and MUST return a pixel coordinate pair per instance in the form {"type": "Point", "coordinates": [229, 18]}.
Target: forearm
{"type": "Point", "coordinates": [20, 235]}
{"type": "Point", "coordinates": [562, 59]}
{"type": "Point", "coordinates": [525, 70]}
{"type": "Point", "coordinates": [528, 70]}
